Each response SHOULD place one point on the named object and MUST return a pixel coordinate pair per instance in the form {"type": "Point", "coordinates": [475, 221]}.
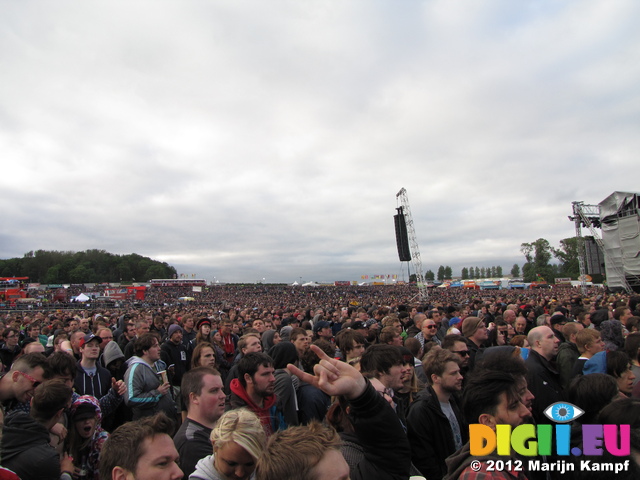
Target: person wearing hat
{"type": "Point", "coordinates": [91, 378]}
{"type": "Point", "coordinates": [85, 436]}
{"type": "Point", "coordinates": [322, 331]}
{"type": "Point", "coordinates": [475, 333]}
{"type": "Point", "coordinates": [174, 354]}
{"type": "Point", "coordinates": [204, 331]}
{"type": "Point", "coordinates": [558, 321]}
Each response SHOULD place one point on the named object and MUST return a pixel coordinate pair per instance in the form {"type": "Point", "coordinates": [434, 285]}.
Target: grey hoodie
{"type": "Point", "coordinates": [142, 394]}
{"type": "Point", "coordinates": [206, 471]}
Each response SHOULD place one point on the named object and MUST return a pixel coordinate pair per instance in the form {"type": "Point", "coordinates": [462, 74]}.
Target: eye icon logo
{"type": "Point", "coordinates": [563, 412]}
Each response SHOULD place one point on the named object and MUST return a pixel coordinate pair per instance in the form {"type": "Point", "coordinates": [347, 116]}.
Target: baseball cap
{"type": "Point", "coordinates": [87, 338]}
{"type": "Point", "coordinates": [320, 325]}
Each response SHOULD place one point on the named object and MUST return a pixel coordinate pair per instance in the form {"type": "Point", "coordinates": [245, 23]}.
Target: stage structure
{"type": "Point", "coordinates": [405, 212]}
{"type": "Point", "coordinates": [618, 216]}
{"type": "Point", "coordinates": [620, 219]}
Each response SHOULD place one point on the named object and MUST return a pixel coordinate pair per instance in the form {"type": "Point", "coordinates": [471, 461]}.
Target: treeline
{"type": "Point", "coordinates": [91, 266]}
{"type": "Point", "coordinates": [472, 273]}
{"type": "Point", "coordinates": [445, 272]}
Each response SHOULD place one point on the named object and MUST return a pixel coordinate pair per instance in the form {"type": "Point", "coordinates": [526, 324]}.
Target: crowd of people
{"type": "Point", "coordinates": [277, 382]}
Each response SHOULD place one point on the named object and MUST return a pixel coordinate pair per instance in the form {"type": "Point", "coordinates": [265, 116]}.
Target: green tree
{"type": "Point", "coordinates": [82, 274]}
{"type": "Point", "coordinates": [472, 273]}
{"type": "Point", "coordinates": [448, 272]}
{"type": "Point", "coordinates": [465, 273]}
{"type": "Point", "coordinates": [515, 271]}
{"type": "Point", "coordinates": [52, 275]}
{"type": "Point", "coordinates": [538, 254]}
{"type": "Point", "coordinates": [154, 271]}
{"type": "Point", "coordinates": [441, 273]}
{"type": "Point", "coordinates": [483, 272]}
{"type": "Point", "coordinates": [568, 256]}
{"type": "Point", "coordinates": [125, 274]}
{"type": "Point", "coordinates": [429, 276]}
{"type": "Point", "coordinates": [498, 271]}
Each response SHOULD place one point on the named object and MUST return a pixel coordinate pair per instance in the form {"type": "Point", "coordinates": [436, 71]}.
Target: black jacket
{"type": "Point", "coordinates": [544, 383]}
{"type": "Point", "coordinates": [378, 431]}
{"type": "Point", "coordinates": [430, 433]}
{"type": "Point", "coordinates": [7, 356]}
{"type": "Point", "coordinates": [26, 450]}
{"type": "Point", "coordinates": [176, 355]}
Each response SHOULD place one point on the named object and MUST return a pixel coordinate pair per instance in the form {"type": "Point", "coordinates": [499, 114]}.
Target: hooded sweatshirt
{"type": "Point", "coordinates": [98, 438]}
{"type": "Point", "coordinates": [26, 450]}
{"type": "Point", "coordinates": [97, 385]}
{"type": "Point", "coordinates": [142, 394]}
{"type": "Point", "coordinates": [206, 471]}
{"type": "Point", "coordinates": [270, 417]}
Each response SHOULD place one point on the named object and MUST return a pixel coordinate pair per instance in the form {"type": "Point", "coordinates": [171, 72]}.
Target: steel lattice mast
{"type": "Point", "coordinates": [413, 243]}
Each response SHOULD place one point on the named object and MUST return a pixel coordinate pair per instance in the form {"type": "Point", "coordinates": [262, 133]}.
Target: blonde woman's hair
{"type": "Point", "coordinates": [243, 427]}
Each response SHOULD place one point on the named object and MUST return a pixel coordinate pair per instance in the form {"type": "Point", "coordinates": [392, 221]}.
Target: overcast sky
{"type": "Point", "coordinates": [245, 140]}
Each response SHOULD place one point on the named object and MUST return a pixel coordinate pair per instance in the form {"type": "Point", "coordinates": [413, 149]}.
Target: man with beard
{"type": "Point", "coordinates": [428, 332]}
{"type": "Point", "coordinates": [436, 427]}
{"type": "Point", "coordinates": [456, 344]}
{"type": "Point", "coordinates": [475, 332]}
{"type": "Point", "coordinates": [490, 398]}
{"type": "Point", "coordinates": [255, 389]}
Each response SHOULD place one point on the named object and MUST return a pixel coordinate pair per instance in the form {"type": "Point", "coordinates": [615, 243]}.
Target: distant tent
{"type": "Point", "coordinates": [81, 298]}
{"type": "Point", "coordinates": [295, 284]}
{"type": "Point", "coordinates": [310, 284]}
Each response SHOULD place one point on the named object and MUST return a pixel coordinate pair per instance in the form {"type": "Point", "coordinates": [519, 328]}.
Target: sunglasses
{"type": "Point", "coordinates": [30, 378]}
{"type": "Point", "coordinates": [431, 326]}
{"type": "Point", "coordinates": [462, 353]}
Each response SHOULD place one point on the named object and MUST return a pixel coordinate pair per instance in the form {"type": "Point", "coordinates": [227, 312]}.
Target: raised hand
{"type": "Point", "coordinates": [332, 376]}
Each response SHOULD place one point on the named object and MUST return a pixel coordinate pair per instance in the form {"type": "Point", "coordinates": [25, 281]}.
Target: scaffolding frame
{"type": "Point", "coordinates": [403, 198]}
{"type": "Point", "coordinates": [589, 217]}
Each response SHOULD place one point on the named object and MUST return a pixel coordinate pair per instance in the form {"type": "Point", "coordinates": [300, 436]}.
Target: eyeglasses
{"type": "Point", "coordinates": [505, 332]}
{"type": "Point", "coordinates": [430, 326]}
{"type": "Point", "coordinates": [30, 378]}
{"type": "Point", "coordinates": [462, 353]}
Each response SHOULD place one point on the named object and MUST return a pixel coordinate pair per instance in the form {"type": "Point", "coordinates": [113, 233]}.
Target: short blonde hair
{"type": "Point", "coordinates": [243, 427]}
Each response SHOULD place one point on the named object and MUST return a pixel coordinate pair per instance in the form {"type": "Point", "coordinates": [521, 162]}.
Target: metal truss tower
{"type": "Point", "coordinates": [413, 243]}
{"type": "Point", "coordinates": [589, 216]}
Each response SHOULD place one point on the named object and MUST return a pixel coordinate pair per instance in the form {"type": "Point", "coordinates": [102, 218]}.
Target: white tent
{"type": "Point", "coordinates": [82, 298]}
